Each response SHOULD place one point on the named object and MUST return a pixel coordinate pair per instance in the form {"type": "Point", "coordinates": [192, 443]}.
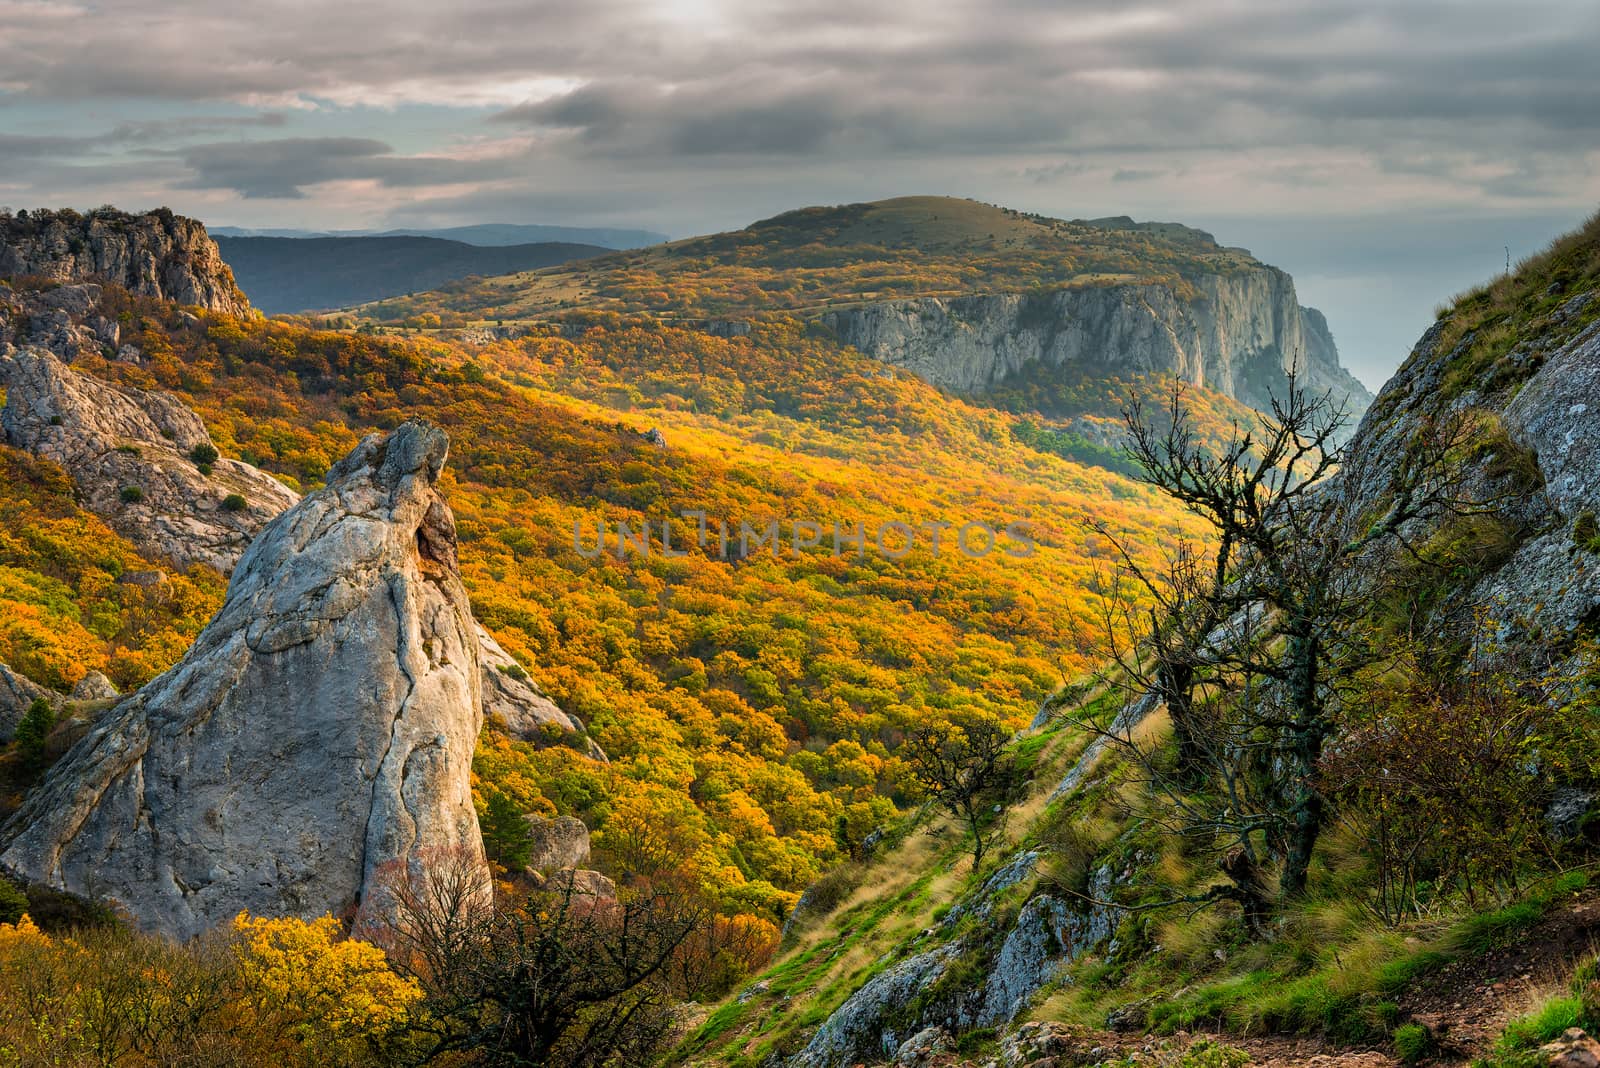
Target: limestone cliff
{"type": "Point", "coordinates": [319, 733]}
{"type": "Point", "coordinates": [1238, 333]}
{"type": "Point", "coordinates": [157, 254]}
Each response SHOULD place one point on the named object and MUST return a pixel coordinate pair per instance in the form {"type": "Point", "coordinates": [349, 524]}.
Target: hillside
{"type": "Point", "coordinates": [282, 274]}
{"type": "Point", "coordinates": [978, 299]}
{"type": "Point", "coordinates": [1448, 916]}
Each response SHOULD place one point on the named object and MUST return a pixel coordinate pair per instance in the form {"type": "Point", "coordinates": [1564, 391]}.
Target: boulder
{"type": "Point", "coordinates": [559, 843]}
{"type": "Point", "coordinates": [1574, 1049]}
{"type": "Point", "coordinates": [94, 687]}
{"type": "Point", "coordinates": [314, 743]}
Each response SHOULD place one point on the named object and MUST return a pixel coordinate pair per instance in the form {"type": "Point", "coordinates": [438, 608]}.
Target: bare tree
{"type": "Point", "coordinates": [1251, 641]}
{"type": "Point", "coordinates": [968, 769]}
{"type": "Point", "coordinates": [566, 977]}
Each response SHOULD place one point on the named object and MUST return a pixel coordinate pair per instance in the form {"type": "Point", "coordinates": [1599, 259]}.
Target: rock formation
{"type": "Point", "coordinates": [318, 735]}
{"type": "Point", "coordinates": [112, 440]}
{"type": "Point", "coordinates": [1240, 333]}
{"type": "Point", "coordinates": [135, 458]}
{"type": "Point", "coordinates": [157, 254]}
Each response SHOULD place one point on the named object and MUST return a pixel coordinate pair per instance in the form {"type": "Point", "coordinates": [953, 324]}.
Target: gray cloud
{"type": "Point", "coordinates": [706, 115]}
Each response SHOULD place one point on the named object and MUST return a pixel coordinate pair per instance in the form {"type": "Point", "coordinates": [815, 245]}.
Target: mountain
{"type": "Point", "coordinates": [157, 254]}
{"type": "Point", "coordinates": [1021, 310]}
{"type": "Point", "coordinates": [774, 580]}
{"type": "Point", "coordinates": [294, 275]}
{"type": "Point", "coordinates": [484, 234]}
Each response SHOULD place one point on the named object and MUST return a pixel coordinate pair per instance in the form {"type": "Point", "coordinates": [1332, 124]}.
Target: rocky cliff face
{"type": "Point", "coordinates": [135, 457]}
{"type": "Point", "coordinates": [1239, 334]}
{"type": "Point", "coordinates": [157, 254]}
{"type": "Point", "coordinates": [318, 735]}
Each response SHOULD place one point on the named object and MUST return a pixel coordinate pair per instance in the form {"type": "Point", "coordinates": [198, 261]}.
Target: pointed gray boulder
{"type": "Point", "coordinates": [317, 737]}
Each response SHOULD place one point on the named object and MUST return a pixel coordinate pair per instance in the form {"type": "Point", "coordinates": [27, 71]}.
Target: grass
{"type": "Point", "coordinates": [1484, 324]}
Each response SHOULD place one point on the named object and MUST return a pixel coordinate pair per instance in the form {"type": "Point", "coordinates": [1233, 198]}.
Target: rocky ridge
{"type": "Point", "coordinates": [1240, 334]}
{"type": "Point", "coordinates": [157, 254]}
{"type": "Point", "coordinates": [317, 737]}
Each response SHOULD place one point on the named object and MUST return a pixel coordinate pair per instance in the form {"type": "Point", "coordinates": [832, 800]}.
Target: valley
{"type": "Point", "coordinates": [737, 734]}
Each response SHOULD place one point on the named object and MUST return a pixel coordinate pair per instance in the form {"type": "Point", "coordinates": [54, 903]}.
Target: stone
{"type": "Point", "coordinates": [314, 744]}
{"type": "Point", "coordinates": [114, 440]}
{"type": "Point", "coordinates": [559, 843]}
{"type": "Point", "coordinates": [513, 701]}
{"type": "Point", "coordinates": [1574, 1049]}
{"type": "Point", "coordinates": [857, 1030]}
{"type": "Point", "coordinates": [94, 687]}
{"type": "Point", "coordinates": [922, 1047]}
{"type": "Point", "coordinates": [583, 883]}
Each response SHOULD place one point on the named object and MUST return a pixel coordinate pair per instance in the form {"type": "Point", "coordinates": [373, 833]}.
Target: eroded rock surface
{"type": "Point", "coordinates": [132, 456]}
{"type": "Point", "coordinates": [316, 738]}
{"type": "Point", "coordinates": [157, 254]}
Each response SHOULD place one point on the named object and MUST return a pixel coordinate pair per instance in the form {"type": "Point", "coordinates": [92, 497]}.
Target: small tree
{"type": "Point", "coordinates": [32, 732]}
{"type": "Point", "coordinates": [506, 837]}
{"type": "Point", "coordinates": [969, 770]}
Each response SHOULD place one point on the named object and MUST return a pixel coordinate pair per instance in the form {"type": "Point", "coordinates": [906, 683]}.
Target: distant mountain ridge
{"type": "Point", "coordinates": [487, 235]}
{"type": "Point", "coordinates": [284, 274]}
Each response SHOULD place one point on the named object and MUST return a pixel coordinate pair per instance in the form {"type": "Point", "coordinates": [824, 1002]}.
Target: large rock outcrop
{"type": "Point", "coordinates": [132, 456]}
{"type": "Point", "coordinates": [157, 254]}
{"type": "Point", "coordinates": [1238, 333]}
{"type": "Point", "coordinates": [112, 439]}
{"type": "Point", "coordinates": [318, 735]}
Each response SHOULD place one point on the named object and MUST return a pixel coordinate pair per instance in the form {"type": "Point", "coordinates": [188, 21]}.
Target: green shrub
{"type": "Point", "coordinates": [204, 454]}
{"type": "Point", "coordinates": [13, 902]}
{"type": "Point", "coordinates": [1412, 1043]}
{"type": "Point", "coordinates": [234, 502]}
{"type": "Point", "coordinates": [1537, 1028]}
{"type": "Point", "coordinates": [204, 469]}
{"type": "Point", "coordinates": [32, 731]}
{"type": "Point", "coordinates": [132, 494]}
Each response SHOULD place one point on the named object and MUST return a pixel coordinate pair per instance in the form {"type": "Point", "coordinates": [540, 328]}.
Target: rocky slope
{"type": "Point", "coordinates": [319, 733]}
{"type": "Point", "coordinates": [141, 460]}
{"type": "Point", "coordinates": [1239, 333]}
{"type": "Point", "coordinates": [157, 254]}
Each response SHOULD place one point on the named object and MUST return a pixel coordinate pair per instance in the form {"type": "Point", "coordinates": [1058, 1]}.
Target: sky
{"type": "Point", "coordinates": [1387, 154]}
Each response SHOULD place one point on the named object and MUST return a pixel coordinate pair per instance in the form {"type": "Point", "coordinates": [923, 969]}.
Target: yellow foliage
{"type": "Point", "coordinates": [306, 972]}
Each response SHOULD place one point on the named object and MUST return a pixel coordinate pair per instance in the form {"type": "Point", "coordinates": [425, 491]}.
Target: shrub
{"type": "Point", "coordinates": [13, 902]}
{"type": "Point", "coordinates": [204, 454]}
{"type": "Point", "coordinates": [234, 502]}
{"type": "Point", "coordinates": [1412, 1042]}
{"type": "Point", "coordinates": [204, 469]}
{"type": "Point", "coordinates": [132, 494]}
{"type": "Point", "coordinates": [32, 731]}
{"type": "Point", "coordinates": [1586, 532]}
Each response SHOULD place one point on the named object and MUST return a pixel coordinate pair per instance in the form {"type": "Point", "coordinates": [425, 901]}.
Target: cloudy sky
{"type": "Point", "coordinates": [1386, 152]}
